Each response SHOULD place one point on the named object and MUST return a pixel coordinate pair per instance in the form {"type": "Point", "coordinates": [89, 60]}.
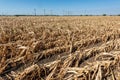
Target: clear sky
{"type": "Point", "coordinates": [60, 6]}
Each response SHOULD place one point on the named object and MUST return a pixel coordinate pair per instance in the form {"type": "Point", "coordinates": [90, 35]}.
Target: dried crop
{"type": "Point", "coordinates": [60, 48]}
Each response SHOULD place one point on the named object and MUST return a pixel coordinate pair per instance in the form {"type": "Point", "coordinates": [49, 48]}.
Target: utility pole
{"type": "Point", "coordinates": [85, 12]}
{"type": "Point", "coordinates": [63, 13]}
{"type": "Point", "coordinates": [68, 13]}
{"type": "Point", "coordinates": [2, 14]}
{"type": "Point", "coordinates": [35, 11]}
{"type": "Point", "coordinates": [51, 12]}
{"type": "Point", "coordinates": [44, 12]}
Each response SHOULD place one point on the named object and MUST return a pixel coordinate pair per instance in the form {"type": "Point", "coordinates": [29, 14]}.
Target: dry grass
{"type": "Point", "coordinates": [60, 48]}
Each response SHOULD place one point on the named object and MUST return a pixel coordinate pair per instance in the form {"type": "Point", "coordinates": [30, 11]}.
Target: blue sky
{"type": "Point", "coordinates": [60, 6]}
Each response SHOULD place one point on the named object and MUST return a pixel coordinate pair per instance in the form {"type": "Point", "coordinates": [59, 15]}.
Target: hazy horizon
{"type": "Point", "coordinates": [59, 7]}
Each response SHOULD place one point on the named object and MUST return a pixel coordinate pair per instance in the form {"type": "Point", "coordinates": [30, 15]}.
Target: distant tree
{"type": "Point", "coordinates": [118, 14]}
{"type": "Point", "coordinates": [104, 14]}
{"type": "Point", "coordinates": [16, 15]}
{"type": "Point", "coordinates": [86, 15]}
{"type": "Point", "coordinates": [90, 15]}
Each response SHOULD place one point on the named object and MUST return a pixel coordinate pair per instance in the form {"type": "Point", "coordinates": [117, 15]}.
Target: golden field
{"type": "Point", "coordinates": [60, 48]}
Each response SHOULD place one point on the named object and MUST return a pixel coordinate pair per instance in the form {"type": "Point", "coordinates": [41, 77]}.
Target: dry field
{"type": "Point", "coordinates": [60, 48]}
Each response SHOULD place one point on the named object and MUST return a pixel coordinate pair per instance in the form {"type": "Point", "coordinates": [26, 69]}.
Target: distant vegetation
{"type": "Point", "coordinates": [63, 15]}
{"type": "Point", "coordinates": [104, 14]}
{"type": "Point", "coordinates": [118, 14]}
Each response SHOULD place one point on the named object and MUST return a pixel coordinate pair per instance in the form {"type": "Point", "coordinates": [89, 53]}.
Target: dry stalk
{"type": "Point", "coordinates": [22, 75]}
{"type": "Point", "coordinates": [99, 74]}
{"type": "Point", "coordinates": [113, 75]}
